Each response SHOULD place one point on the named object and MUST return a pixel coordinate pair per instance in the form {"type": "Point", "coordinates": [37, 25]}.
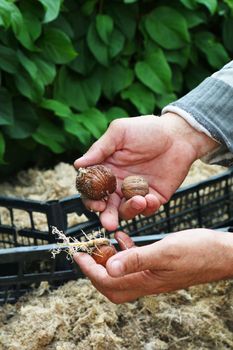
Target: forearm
{"type": "Point", "coordinates": [226, 246]}
{"type": "Point", "coordinates": [200, 142]}
{"type": "Point", "coordinates": [209, 109]}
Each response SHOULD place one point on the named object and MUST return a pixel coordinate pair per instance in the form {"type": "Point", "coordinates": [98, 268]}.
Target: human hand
{"type": "Point", "coordinates": [180, 260]}
{"type": "Point", "coordinates": [159, 149]}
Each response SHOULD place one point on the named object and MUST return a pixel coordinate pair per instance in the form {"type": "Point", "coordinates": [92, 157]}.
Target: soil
{"type": "Point", "coordinates": [76, 316]}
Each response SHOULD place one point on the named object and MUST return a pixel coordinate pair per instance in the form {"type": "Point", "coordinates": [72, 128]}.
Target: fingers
{"type": "Point", "coordinates": [88, 266]}
{"type": "Point", "coordinates": [109, 217]}
{"type": "Point", "coordinates": [118, 290]}
{"type": "Point", "coordinates": [149, 257]}
{"type": "Point", "coordinates": [125, 241]}
{"type": "Point", "coordinates": [108, 210]}
{"type": "Point", "coordinates": [138, 205]}
{"type": "Point", "coordinates": [94, 205]}
{"type": "Point", "coordinates": [106, 145]}
{"type": "Point", "coordinates": [111, 210]}
{"type": "Point", "coordinates": [132, 207]}
{"type": "Point", "coordinates": [153, 204]}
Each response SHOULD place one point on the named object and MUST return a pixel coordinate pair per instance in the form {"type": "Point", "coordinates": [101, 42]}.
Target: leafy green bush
{"type": "Point", "coordinates": [67, 68]}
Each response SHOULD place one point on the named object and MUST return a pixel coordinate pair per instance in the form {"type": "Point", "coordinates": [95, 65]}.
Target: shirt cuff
{"type": "Point", "coordinates": [188, 117]}
{"type": "Point", "coordinates": [220, 155]}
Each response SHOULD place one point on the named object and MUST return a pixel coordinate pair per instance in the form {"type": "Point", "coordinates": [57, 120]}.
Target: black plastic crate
{"type": "Point", "coordinates": [25, 256]}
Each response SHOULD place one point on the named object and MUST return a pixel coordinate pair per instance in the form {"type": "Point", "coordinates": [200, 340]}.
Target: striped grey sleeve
{"type": "Point", "coordinates": [209, 108]}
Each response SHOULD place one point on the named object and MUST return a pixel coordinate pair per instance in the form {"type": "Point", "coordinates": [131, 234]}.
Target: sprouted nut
{"type": "Point", "coordinates": [98, 246]}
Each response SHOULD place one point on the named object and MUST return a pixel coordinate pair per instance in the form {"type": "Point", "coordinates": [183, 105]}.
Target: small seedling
{"type": "Point", "coordinates": [96, 244]}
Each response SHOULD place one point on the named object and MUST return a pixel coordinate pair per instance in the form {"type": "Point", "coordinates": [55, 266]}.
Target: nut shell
{"type": "Point", "coordinates": [95, 182]}
{"type": "Point", "coordinates": [103, 253]}
{"type": "Point", "coordinates": [134, 185]}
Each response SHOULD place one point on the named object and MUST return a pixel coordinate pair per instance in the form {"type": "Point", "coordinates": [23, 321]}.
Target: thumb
{"type": "Point", "coordinates": [150, 257]}
{"type": "Point", "coordinates": [101, 149]}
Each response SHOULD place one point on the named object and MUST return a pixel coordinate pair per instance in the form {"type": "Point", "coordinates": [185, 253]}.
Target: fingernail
{"type": "Point", "coordinates": [116, 268]}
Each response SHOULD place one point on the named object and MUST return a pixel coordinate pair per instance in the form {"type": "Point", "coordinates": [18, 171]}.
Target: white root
{"type": "Point", "coordinates": [74, 245]}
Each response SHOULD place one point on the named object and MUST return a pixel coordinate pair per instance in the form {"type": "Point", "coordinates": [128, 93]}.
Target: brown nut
{"type": "Point", "coordinates": [103, 253]}
{"type": "Point", "coordinates": [95, 182]}
{"type": "Point", "coordinates": [134, 185]}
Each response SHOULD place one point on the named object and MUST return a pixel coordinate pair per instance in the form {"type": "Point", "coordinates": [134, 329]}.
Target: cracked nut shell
{"type": "Point", "coordinates": [134, 185]}
{"type": "Point", "coordinates": [95, 182]}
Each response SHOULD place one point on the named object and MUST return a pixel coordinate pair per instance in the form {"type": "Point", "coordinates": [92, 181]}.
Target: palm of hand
{"type": "Point", "coordinates": [140, 146]}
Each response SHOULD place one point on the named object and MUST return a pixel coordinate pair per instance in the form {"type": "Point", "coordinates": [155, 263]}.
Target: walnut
{"type": "Point", "coordinates": [95, 182]}
{"type": "Point", "coordinates": [134, 185]}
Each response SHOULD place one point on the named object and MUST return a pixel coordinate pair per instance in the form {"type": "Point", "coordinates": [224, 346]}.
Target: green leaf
{"type": "Point", "coordinates": [52, 8]}
{"type": "Point", "coordinates": [95, 121]}
{"type": "Point", "coordinates": [177, 79]}
{"type": "Point", "coordinates": [215, 52]}
{"type": "Point", "coordinates": [165, 99]}
{"type": "Point", "coordinates": [84, 62]}
{"type": "Point", "coordinates": [25, 120]}
{"type": "Point", "coordinates": [6, 108]}
{"type": "Point", "coordinates": [167, 27]}
{"type": "Point", "coordinates": [125, 17]}
{"type": "Point", "coordinates": [195, 75]}
{"type": "Point", "coordinates": [32, 13]}
{"type": "Point", "coordinates": [227, 34]}
{"type": "Point", "coordinates": [2, 148]}
{"type": "Point", "coordinates": [50, 136]}
{"type": "Point", "coordinates": [56, 46]}
{"type": "Point", "coordinates": [78, 22]}
{"type": "Point", "coordinates": [20, 29]}
{"type": "Point", "coordinates": [76, 92]}
{"type": "Point", "coordinates": [155, 73]}
{"type": "Point", "coordinates": [210, 4]}
{"type": "Point", "coordinates": [116, 43]}
{"type": "Point", "coordinates": [130, 48]}
{"type": "Point", "coordinates": [8, 59]}
{"type": "Point", "coordinates": [101, 51]}
{"type": "Point", "coordinates": [179, 57]}
{"type": "Point", "coordinates": [193, 18]}
{"type": "Point", "coordinates": [74, 127]}
{"type": "Point", "coordinates": [142, 98]}
{"type": "Point", "coordinates": [88, 7]}
{"type": "Point", "coordinates": [6, 9]}
{"type": "Point", "coordinates": [28, 64]}
{"type": "Point", "coordinates": [46, 70]}
{"type": "Point", "coordinates": [33, 89]}
{"type": "Point", "coordinates": [229, 4]}
{"type": "Point", "coordinates": [116, 78]}
{"type": "Point", "coordinates": [62, 22]}
{"type": "Point", "coordinates": [115, 113]}
{"type": "Point", "coordinates": [59, 108]}
{"type": "Point", "coordinates": [190, 4]}
{"type": "Point", "coordinates": [97, 47]}
{"type": "Point", "coordinates": [33, 26]}
{"type": "Point", "coordinates": [104, 26]}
